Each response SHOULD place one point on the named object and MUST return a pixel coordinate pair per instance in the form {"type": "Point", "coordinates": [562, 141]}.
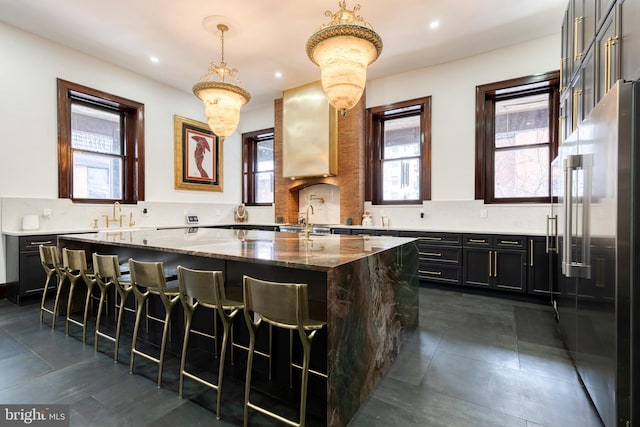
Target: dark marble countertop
{"type": "Point", "coordinates": [317, 252]}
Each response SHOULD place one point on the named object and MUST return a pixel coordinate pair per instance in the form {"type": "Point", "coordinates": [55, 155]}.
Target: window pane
{"type": "Point", "coordinates": [402, 137]}
{"type": "Point", "coordinates": [95, 129]}
{"type": "Point", "coordinates": [264, 187]}
{"type": "Point", "coordinates": [400, 179]}
{"type": "Point", "coordinates": [522, 121]}
{"type": "Point", "coordinates": [264, 155]}
{"type": "Point", "coordinates": [96, 176]}
{"type": "Point", "coordinates": [522, 173]}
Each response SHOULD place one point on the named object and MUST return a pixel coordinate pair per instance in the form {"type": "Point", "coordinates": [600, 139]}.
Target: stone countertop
{"type": "Point", "coordinates": [318, 252]}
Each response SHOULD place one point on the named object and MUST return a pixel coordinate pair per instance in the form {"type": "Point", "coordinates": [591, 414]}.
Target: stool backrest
{"type": "Point", "coordinates": [74, 260]}
{"type": "Point", "coordinates": [149, 275]}
{"type": "Point", "coordinates": [49, 256]}
{"type": "Point", "coordinates": [276, 302]}
{"type": "Point", "coordinates": [200, 285]}
{"type": "Point", "coordinates": [106, 266]}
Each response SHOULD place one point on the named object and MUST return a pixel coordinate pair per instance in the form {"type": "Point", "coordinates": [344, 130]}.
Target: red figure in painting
{"type": "Point", "coordinates": [202, 146]}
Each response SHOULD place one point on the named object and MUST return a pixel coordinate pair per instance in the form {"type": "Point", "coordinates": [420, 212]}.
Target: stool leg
{"type": "Point", "coordinates": [56, 302]}
{"type": "Point", "coordinates": [165, 331]}
{"type": "Point", "coordinates": [86, 312]}
{"type": "Point", "coordinates": [183, 361]}
{"type": "Point", "coordinates": [100, 305]}
{"type": "Point", "coordinates": [247, 384]}
{"type": "Point", "coordinates": [136, 327]}
{"type": "Point", "coordinates": [123, 298]}
{"type": "Point", "coordinates": [226, 324]}
{"type": "Point", "coordinates": [306, 346]}
{"type": "Point", "coordinates": [44, 296]}
{"type": "Point", "coordinates": [72, 287]}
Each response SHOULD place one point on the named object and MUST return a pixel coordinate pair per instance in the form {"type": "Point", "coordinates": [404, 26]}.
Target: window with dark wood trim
{"type": "Point", "coordinates": [398, 167]}
{"type": "Point", "coordinates": [258, 167]}
{"type": "Point", "coordinates": [516, 139]}
{"type": "Point", "coordinates": [100, 135]}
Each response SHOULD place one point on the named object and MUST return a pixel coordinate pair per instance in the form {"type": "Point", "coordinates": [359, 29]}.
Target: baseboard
{"type": "Point", "coordinates": [3, 291]}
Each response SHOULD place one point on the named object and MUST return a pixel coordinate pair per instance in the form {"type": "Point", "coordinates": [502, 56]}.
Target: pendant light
{"type": "Point", "coordinates": [343, 49]}
{"type": "Point", "coordinates": [222, 100]}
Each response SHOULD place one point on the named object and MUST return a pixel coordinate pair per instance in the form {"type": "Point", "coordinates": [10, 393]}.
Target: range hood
{"type": "Point", "coordinates": [310, 133]}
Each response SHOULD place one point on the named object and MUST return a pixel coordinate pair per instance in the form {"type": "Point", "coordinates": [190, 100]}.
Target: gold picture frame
{"type": "Point", "coordinates": [197, 156]}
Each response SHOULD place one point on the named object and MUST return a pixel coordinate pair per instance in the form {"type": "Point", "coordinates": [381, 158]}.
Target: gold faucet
{"type": "Point", "coordinates": [307, 226]}
{"type": "Point", "coordinates": [108, 220]}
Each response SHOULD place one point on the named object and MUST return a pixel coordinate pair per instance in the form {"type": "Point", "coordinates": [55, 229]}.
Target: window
{"type": "Point", "coordinates": [399, 150]}
{"type": "Point", "coordinates": [100, 146]}
{"type": "Point", "coordinates": [258, 167]}
{"type": "Point", "coordinates": [516, 138]}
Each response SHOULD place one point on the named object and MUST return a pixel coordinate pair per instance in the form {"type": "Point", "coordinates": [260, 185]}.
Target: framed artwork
{"type": "Point", "coordinates": [197, 156]}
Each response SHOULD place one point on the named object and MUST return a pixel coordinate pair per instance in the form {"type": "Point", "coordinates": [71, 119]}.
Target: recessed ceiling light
{"type": "Point", "coordinates": [154, 59]}
{"type": "Point", "coordinates": [278, 75]}
{"type": "Point", "coordinates": [434, 24]}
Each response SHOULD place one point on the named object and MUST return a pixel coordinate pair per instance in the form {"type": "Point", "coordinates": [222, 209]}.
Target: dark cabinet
{"type": "Point", "coordinates": [440, 256]}
{"type": "Point", "coordinates": [607, 54]}
{"type": "Point", "coordinates": [539, 272]}
{"type": "Point", "coordinates": [495, 261]}
{"type": "Point", "coordinates": [629, 11]}
{"type": "Point", "coordinates": [25, 276]}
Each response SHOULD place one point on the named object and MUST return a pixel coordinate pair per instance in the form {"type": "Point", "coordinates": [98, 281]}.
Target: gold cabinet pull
{"type": "Point", "coordinates": [431, 238]}
{"type": "Point", "coordinates": [576, 94]}
{"type": "Point", "coordinates": [44, 242]}
{"type": "Point", "coordinates": [431, 253]}
{"type": "Point", "coordinates": [477, 241]}
{"type": "Point", "coordinates": [563, 61]}
{"type": "Point", "coordinates": [576, 55]}
{"type": "Point", "coordinates": [490, 265]}
{"type": "Point", "coordinates": [531, 253]}
{"type": "Point", "coordinates": [607, 65]}
{"type": "Point", "coordinates": [495, 263]}
{"type": "Point", "coordinates": [509, 242]}
{"type": "Point", "coordinates": [433, 273]}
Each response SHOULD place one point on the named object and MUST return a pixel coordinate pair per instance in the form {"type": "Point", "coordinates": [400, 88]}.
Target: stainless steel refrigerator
{"type": "Point", "coordinates": [598, 284]}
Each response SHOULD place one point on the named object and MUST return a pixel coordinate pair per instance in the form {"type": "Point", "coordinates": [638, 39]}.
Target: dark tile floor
{"type": "Point", "coordinates": [475, 361]}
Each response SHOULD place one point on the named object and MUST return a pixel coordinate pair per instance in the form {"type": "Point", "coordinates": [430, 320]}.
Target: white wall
{"type": "Point", "coordinates": [28, 138]}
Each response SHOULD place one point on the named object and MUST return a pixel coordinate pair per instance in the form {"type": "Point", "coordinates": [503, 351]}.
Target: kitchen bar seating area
{"type": "Point", "coordinates": [348, 281]}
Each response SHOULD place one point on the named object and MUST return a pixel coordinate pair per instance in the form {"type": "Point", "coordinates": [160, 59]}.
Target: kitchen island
{"type": "Point", "coordinates": [364, 287]}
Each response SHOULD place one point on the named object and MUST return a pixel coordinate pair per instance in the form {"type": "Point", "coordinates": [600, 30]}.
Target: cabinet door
{"type": "Point", "coordinates": [629, 39]}
{"type": "Point", "coordinates": [539, 278]}
{"type": "Point", "coordinates": [477, 267]}
{"type": "Point", "coordinates": [566, 125]}
{"type": "Point", "coordinates": [607, 57]}
{"type": "Point", "coordinates": [32, 275]}
{"type": "Point", "coordinates": [602, 10]}
{"type": "Point", "coordinates": [509, 269]}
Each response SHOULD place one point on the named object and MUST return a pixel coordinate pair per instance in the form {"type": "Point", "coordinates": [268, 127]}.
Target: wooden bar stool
{"type": "Point", "coordinates": [50, 261]}
{"type": "Point", "coordinates": [75, 266]}
{"type": "Point", "coordinates": [107, 273]}
{"type": "Point", "coordinates": [148, 278]}
{"type": "Point", "coordinates": [282, 305]}
{"type": "Point", "coordinates": [205, 289]}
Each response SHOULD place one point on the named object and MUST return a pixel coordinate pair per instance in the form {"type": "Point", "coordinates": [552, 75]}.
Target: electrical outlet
{"type": "Point", "coordinates": [421, 214]}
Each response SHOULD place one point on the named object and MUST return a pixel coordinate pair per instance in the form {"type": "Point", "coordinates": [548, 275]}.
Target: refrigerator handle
{"type": "Point", "coordinates": [584, 268]}
{"type": "Point", "coordinates": [568, 208]}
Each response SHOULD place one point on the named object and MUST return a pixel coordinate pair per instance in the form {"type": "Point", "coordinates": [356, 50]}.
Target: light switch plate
{"type": "Point", "coordinates": [191, 219]}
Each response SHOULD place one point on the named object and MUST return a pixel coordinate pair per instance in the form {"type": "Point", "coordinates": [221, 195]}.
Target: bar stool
{"type": "Point", "coordinates": [148, 278]}
{"type": "Point", "coordinates": [283, 305]}
{"type": "Point", "coordinates": [205, 289]}
{"type": "Point", "coordinates": [50, 261]}
{"type": "Point", "coordinates": [75, 265]}
{"type": "Point", "coordinates": [107, 273]}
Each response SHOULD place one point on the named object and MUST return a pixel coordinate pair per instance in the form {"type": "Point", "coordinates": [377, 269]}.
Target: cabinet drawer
{"type": "Point", "coordinates": [439, 273]}
{"type": "Point", "coordinates": [450, 239]}
{"type": "Point", "coordinates": [31, 243]}
{"type": "Point", "coordinates": [510, 242]}
{"type": "Point", "coordinates": [481, 240]}
{"type": "Point", "coordinates": [439, 254]}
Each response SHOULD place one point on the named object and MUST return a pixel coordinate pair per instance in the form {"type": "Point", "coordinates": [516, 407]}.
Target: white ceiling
{"type": "Point", "coordinates": [269, 36]}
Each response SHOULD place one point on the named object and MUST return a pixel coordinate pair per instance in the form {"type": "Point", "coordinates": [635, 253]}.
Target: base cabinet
{"type": "Point", "coordinates": [25, 275]}
{"type": "Point", "coordinates": [495, 262]}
